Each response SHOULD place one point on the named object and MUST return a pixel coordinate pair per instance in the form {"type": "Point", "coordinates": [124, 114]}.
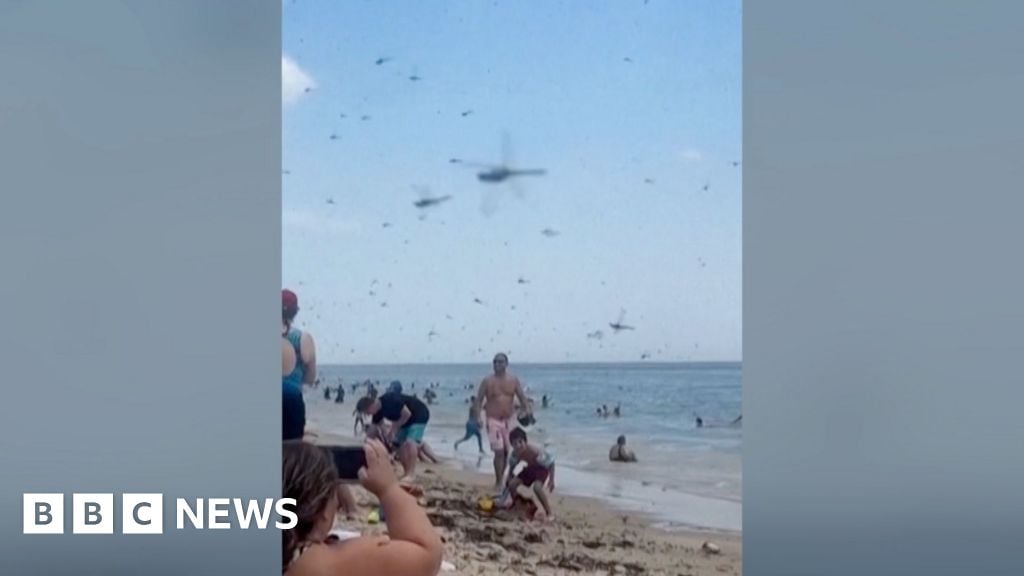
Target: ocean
{"type": "Point", "coordinates": [687, 476]}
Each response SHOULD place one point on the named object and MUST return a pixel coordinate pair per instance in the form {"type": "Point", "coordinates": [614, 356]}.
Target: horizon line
{"type": "Point", "coordinates": [535, 363]}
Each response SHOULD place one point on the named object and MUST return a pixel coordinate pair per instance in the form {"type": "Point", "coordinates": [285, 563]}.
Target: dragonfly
{"type": "Point", "coordinates": [620, 325]}
{"type": "Point", "coordinates": [426, 200]}
{"type": "Point", "coordinates": [490, 173]}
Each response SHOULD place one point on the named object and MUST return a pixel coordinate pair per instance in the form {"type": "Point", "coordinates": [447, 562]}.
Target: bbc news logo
{"type": "Point", "coordinates": [144, 513]}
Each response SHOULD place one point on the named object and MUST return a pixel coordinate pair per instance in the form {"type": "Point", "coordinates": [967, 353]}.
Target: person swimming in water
{"type": "Point", "coordinates": [702, 424]}
{"type": "Point", "coordinates": [619, 452]}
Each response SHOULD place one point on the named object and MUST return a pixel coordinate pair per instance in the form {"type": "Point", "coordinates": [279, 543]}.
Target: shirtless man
{"type": "Point", "coordinates": [496, 397]}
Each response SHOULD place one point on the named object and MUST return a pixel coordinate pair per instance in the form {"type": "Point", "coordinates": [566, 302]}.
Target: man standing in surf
{"type": "Point", "coordinates": [496, 398]}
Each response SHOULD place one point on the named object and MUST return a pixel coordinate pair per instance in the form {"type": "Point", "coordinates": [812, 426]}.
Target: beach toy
{"type": "Point", "coordinates": [486, 504]}
{"type": "Point", "coordinates": [374, 517]}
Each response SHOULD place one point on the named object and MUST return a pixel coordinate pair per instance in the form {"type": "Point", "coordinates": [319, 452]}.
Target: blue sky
{"type": "Point", "coordinates": [632, 109]}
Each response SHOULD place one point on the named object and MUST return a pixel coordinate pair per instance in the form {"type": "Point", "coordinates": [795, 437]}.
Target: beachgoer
{"type": "Point", "coordinates": [619, 452]}
{"type": "Point", "coordinates": [409, 417]}
{"type": "Point", "coordinates": [395, 386]}
{"type": "Point", "coordinates": [700, 422]}
{"type": "Point", "coordinates": [426, 454]}
{"type": "Point", "coordinates": [327, 393]}
{"type": "Point", "coordinates": [303, 369]}
{"type": "Point", "coordinates": [382, 432]}
{"type": "Point", "coordinates": [618, 410]}
{"type": "Point", "coordinates": [339, 397]}
{"type": "Point", "coordinates": [496, 398]}
{"type": "Point", "coordinates": [604, 410]}
{"type": "Point", "coordinates": [539, 473]}
{"type": "Point", "coordinates": [411, 548]}
{"type": "Point", "coordinates": [378, 432]}
{"type": "Point", "coordinates": [359, 424]}
{"type": "Point", "coordinates": [472, 427]}
{"type": "Point", "coordinates": [544, 401]}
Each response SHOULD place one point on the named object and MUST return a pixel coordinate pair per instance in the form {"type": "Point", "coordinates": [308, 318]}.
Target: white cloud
{"type": "Point", "coordinates": [294, 81]}
{"type": "Point", "coordinates": [691, 155]}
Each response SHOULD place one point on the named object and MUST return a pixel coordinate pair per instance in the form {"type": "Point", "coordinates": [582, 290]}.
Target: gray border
{"type": "Point", "coordinates": [882, 296]}
{"type": "Point", "coordinates": [140, 242]}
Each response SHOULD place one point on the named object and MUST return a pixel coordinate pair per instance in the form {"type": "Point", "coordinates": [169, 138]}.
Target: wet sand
{"type": "Point", "coordinates": [586, 537]}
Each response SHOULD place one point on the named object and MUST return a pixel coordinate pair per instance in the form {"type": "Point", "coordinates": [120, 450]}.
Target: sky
{"type": "Point", "coordinates": [633, 109]}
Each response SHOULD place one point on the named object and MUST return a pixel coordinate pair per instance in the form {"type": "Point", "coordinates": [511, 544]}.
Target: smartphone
{"type": "Point", "coordinates": [348, 460]}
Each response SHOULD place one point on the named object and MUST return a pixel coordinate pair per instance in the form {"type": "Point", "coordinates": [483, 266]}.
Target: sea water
{"type": "Point", "coordinates": [687, 475]}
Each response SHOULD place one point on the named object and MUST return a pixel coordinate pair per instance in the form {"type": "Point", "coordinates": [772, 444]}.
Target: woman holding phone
{"type": "Point", "coordinates": [412, 547]}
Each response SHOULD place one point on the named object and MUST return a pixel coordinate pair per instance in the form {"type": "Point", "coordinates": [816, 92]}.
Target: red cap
{"type": "Point", "coordinates": [289, 301]}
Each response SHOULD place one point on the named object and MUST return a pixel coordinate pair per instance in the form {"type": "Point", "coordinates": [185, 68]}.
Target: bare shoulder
{"type": "Point", "coordinates": [307, 338]}
{"type": "Point", "coordinates": [308, 348]}
{"type": "Point", "coordinates": [367, 555]}
{"type": "Point", "coordinates": [325, 559]}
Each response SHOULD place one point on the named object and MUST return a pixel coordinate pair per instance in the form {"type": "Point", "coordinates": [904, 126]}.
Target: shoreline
{"type": "Point", "coordinates": [634, 497]}
{"type": "Point", "coordinates": [635, 492]}
{"type": "Point", "coordinates": [588, 535]}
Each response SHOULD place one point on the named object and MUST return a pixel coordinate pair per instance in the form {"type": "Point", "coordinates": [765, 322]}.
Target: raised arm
{"type": "Point", "coordinates": [413, 549]}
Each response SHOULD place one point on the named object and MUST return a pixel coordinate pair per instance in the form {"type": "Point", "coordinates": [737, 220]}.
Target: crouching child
{"type": "Point", "coordinates": [537, 478]}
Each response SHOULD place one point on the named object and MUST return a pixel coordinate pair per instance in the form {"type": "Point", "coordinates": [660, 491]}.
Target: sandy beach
{"type": "Point", "coordinates": [586, 537]}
